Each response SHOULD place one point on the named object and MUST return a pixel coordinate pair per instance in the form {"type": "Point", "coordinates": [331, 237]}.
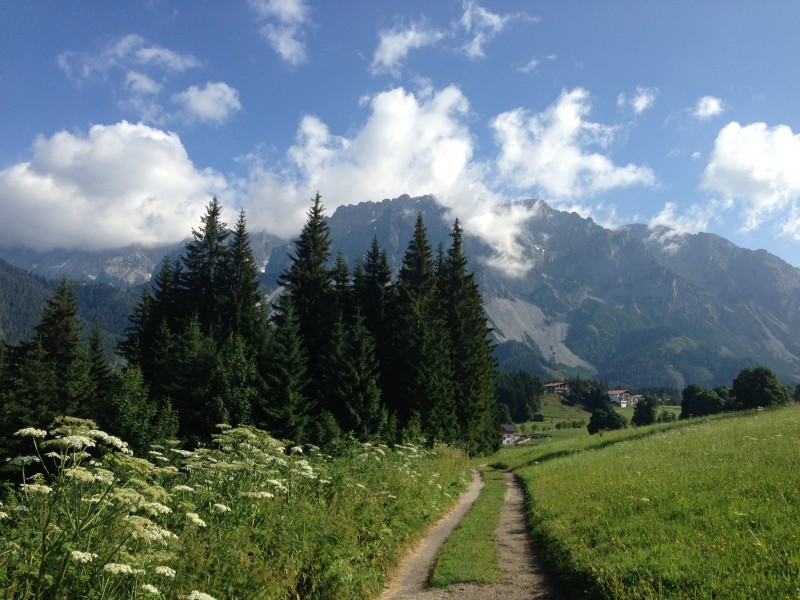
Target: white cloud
{"type": "Point", "coordinates": [395, 44]}
{"type": "Point", "coordinates": [139, 83]}
{"type": "Point", "coordinates": [484, 25]}
{"type": "Point", "coordinates": [693, 219]}
{"type": "Point", "coordinates": [707, 107]}
{"type": "Point", "coordinates": [409, 144]}
{"type": "Point", "coordinates": [117, 185]}
{"type": "Point", "coordinates": [548, 151]}
{"type": "Point", "coordinates": [121, 54]}
{"type": "Point", "coordinates": [282, 24]}
{"type": "Point", "coordinates": [214, 102]}
{"type": "Point", "coordinates": [529, 66]}
{"type": "Point", "coordinates": [757, 167]}
{"type": "Point", "coordinates": [641, 100]}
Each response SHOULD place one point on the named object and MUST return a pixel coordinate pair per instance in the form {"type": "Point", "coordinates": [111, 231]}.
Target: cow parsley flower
{"type": "Point", "coordinates": [3, 515]}
{"type": "Point", "coordinates": [165, 571]}
{"type": "Point", "coordinates": [121, 569]}
{"type": "Point", "coordinates": [221, 508]}
{"type": "Point", "coordinates": [195, 518]}
{"type": "Point", "coordinates": [150, 589]}
{"type": "Point", "coordinates": [195, 595]}
{"type": "Point", "coordinates": [31, 432]}
{"type": "Point", "coordinates": [22, 461]}
{"type": "Point", "coordinates": [82, 557]}
{"type": "Point", "coordinates": [182, 488]}
{"type": "Point", "coordinates": [37, 488]}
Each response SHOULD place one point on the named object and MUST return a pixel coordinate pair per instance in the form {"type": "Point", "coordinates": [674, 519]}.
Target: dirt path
{"type": "Point", "coordinates": [522, 577]}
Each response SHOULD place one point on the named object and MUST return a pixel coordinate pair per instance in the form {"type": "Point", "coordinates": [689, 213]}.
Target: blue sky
{"type": "Point", "coordinates": [120, 120]}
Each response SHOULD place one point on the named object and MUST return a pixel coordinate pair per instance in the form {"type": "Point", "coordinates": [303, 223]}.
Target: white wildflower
{"type": "Point", "coordinates": [103, 476]}
{"type": "Point", "coordinates": [83, 557]}
{"type": "Point", "coordinates": [79, 474]}
{"type": "Point", "coordinates": [119, 569]}
{"type": "Point", "coordinates": [324, 480]}
{"type": "Point", "coordinates": [3, 515]}
{"type": "Point", "coordinates": [150, 589]}
{"type": "Point", "coordinates": [165, 571]}
{"type": "Point", "coordinates": [71, 442]}
{"type": "Point", "coordinates": [156, 508]}
{"type": "Point", "coordinates": [182, 488]}
{"type": "Point", "coordinates": [221, 508]}
{"type": "Point", "coordinates": [260, 495]}
{"type": "Point", "coordinates": [21, 461]}
{"type": "Point", "coordinates": [195, 595]}
{"type": "Point", "coordinates": [297, 450]}
{"type": "Point", "coordinates": [195, 518]}
{"type": "Point", "coordinates": [36, 488]}
{"type": "Point", "coordinates": [31, 432]}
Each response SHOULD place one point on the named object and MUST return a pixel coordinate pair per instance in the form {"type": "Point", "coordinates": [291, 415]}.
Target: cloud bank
{"type": "Point", "coordinates": [117, 185]}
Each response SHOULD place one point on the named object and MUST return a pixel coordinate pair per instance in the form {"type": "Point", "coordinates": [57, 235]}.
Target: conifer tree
{"type": "Point", "coordinates": [285, 410]}
{"type": "Point", "coordinates": [244, 295]}
{"type": "Point", "coordinates": [366, 416]}
{"type": "Point", "coordinates": [99, 370]}
{"type": "Point", "coordinates": [419, 380]}
{"type": "Point", "coordinates": [471, 352]}
{"type": "Point", "coordinates": [307, 281]}
{"type": "Point", "coordinates": [206, 264]}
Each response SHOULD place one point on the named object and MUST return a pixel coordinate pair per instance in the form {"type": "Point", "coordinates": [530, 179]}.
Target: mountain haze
{"type": "Point", "coordinates": [634, 306]}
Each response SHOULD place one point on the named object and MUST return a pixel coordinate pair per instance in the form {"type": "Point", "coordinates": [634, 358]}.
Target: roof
{"type": "Point", "coordinates": [508, 428]}
{"type": "Point", "coordinates": [617, 392]}
{"type": "Point", "coordinates": [556, 384]}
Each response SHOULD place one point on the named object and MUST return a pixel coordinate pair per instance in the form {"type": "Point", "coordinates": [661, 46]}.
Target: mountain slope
{"type": "Point", "coordinates": [634, 306]}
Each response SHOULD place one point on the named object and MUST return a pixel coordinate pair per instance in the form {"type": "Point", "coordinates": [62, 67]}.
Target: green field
{"type": "Point", "coordinates": [694, 509]}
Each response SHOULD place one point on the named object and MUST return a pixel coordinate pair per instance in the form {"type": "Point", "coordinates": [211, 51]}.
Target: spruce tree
{"type": "Point", "coordinates": [307, 281]}
{"type": "Point", "coordinates": [244, 296]}
{"type": "Point", "coordinates": [418, 384]}
{"type": "Point", "coordinates": [285, 409]}
{"type": "Point", "coordinates": [471, 352]}
{"type": "Point", "coordinates": [206, 264]}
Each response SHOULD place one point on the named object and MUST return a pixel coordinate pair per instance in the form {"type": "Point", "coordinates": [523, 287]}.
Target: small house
{"type": "Point", "coordinates": [559, 388]}
{"type": "Point", "coordinates": [622, 398]}
{"type": "Point", "coordinates": [508, 434]}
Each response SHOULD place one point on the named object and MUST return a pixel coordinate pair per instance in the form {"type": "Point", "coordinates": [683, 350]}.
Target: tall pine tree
{"type": "Point", "coordinates": [307, 281]}
{"type": "Point", "coordinates": [471, 352]}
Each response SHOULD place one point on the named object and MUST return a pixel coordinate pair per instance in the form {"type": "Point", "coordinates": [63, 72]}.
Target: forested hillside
{"type": "Point", "coordinates": [23, 296]}
{"type": "Point", "coordinates": [340, 353]}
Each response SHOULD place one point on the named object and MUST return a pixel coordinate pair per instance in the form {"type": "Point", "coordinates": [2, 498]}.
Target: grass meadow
{"type": "Point", "coordinates": [696, 509]}
{"type": "Point", "coordinates": [243, 518]}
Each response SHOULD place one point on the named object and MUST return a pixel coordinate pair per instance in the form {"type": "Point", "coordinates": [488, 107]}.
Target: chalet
{"type": "Point", "coordinates": [620, 397]}
{"type": "Point", "coordinates": [559, 387]}
{"type": "Point", "coordinates": [508, 434]}
{"type": "Point", "coordinates": [635, 399]}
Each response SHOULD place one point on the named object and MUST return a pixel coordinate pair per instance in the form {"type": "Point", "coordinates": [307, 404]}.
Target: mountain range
{"type": "Point", "coordinates": [634, 306]}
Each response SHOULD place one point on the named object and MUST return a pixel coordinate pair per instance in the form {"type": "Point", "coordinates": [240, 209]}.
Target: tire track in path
{"type": "Point", "coordinates": [522, 576]}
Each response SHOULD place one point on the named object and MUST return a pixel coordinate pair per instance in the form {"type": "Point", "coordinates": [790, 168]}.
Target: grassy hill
{"type": "Point", "coordinates": [702, 508]}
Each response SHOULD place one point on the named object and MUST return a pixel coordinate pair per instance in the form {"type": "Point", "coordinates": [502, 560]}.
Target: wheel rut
{"type": "Point", "coordinates": [522, 575]}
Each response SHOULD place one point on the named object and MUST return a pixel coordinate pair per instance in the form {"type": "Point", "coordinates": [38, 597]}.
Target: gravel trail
{"type": "Point", "coordinates": [522, 576]}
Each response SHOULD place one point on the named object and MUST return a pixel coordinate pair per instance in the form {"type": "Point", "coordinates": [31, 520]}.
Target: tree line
{"type": "Point", "coordinates": [337, 353]}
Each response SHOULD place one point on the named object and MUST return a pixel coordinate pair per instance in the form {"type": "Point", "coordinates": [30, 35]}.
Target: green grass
{"type": "Point", "coordinates": [470, 554]}
{"type": "Point", "coordinates": [701, 509]}
{"type": "Point", "coordinates": [245, 517]}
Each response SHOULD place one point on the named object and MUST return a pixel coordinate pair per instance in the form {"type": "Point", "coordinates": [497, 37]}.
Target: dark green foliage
{"type": "Point", "coordinates": [605, 419]}
{"type": "Point", "coordinates": [644, 413]}
{"type": "Point", "coordinates": [307, 281]}
{"type": "Point", "coordinates": [285, 410]}
{"type": "Point", "coordinates": [698, 402]}
{"type": "Point", "coordinates": [243, 294]}
{"type": "Point", "coordinates": [133, 415]}
{"type": "Point", "coordinates": [521, 392]}
{"type": "Point", "coordinates": [758, 387]}
{"type": "Point", "coordinates": [207, 263]}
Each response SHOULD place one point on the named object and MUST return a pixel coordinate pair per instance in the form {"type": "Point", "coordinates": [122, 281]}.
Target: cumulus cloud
{"type": "Point", "coordinates": [693, 219]}
{"type": "Point", "coordinates": [214, 102]}
{"type": "Point", "coordinates": [483, 26]}
{"type": "Point", "coordinates": [116, 185]}
{"type": "Point", "coordinates": [756, 167]}
{"type": "Point", "coordinates": [121, 54]}
{"type": "Point", "coordinates": [141, 71]}
{"type": "Point", "coordinates": [707, 107]}
{"type": "Point", "coordinates": [550, 151]}
{"type": "Point", "coordinates": [642, 99]}
{"type": "Point", "coordinates": [415, 144]}
{"type": "Point", "coordinates": [395, 44]}
{"type": "Point", "coordinates": [282, 24]}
